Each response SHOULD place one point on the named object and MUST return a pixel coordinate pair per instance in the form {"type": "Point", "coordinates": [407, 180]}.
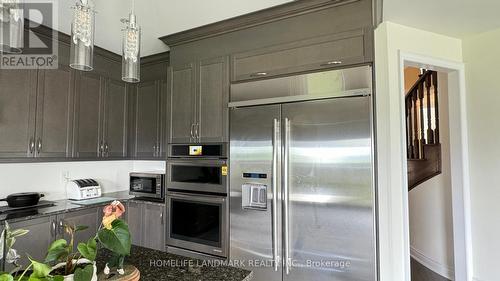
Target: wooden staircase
{"type": "Point", "coordinates": [422, 129]}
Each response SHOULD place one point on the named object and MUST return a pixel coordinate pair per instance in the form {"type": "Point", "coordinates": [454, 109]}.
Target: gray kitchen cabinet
{"type": "Point", "coordinates": [154, 228]}
{"type": "Point", "coordinates": [41, 233]}
{"type": "Point", "coordinates": [147, 118]}
{"type": "Point", "coordinates": [54, 114]}
{"type": "Point", "coordinates": [199, 96]}
{"type": "Point", "coordinates": [114, 137]}
{"type": "Point", "coordinates": [101, 117]}
{"type": "Point", "coordinates": [149, 130]}
{"type": "Point", "coordinates": [88, 131]}
{"type": "Point", "coordinates": [17, 113]}
{"type": "Point", "coordinates": [87, 217]}
{"type": "Point", "coordinates": [337, 50]}
{"type": "Point", "coordinates": [147, 225]}
{"type": "Point", "coordinates": [182, 103]}
{"type": "Point", "coordinates": [212, 101]}
{"type": "Point", "coordinates": [135, 222]}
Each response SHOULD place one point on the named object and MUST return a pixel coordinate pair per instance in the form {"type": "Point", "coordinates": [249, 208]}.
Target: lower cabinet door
{"type": "Point", "coordinates": [87, 217]}
{"type": "Point", "coordinates": [154, 230]}
{"type": "Point", "coordinates": [36, 242]}
{"type": "Point", "coordinates": [134, 220]}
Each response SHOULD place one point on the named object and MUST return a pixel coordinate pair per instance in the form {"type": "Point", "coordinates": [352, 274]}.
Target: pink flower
{"type": "Point", "coordinates": [112, 212]}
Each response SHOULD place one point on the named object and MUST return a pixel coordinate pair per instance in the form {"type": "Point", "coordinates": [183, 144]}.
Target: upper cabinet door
{"type": "Point", "coordinates": [337, 50]}
{"type": "Point", "coordinates": [147, 110]}
{"type": "Point", "coordinates": [115, 119]}
{"type": "Point", "coordinates": [17, 113]}
{"type": "Point", "coordinates": [87, 119]}
{"type": "Point", "coordinates": [182, 104]}
{"type": "Point", "coordinates": [54, 112]}
{"type": "Point", "coordinates": [213, 100]}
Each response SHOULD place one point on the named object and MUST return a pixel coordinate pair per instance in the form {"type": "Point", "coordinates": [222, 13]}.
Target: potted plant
{"type": "Point", "coordinates": [78, 266]}
{"type": "Point", "coordinates": [62, 263]}
{"type": "Point", "coordinates": [35, 271]}
{"type": "Point", "coordinates": [114, 235]}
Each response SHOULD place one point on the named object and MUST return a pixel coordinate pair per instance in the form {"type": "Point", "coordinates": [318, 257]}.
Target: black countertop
{"type": "Point", "coordinates": [161, 266]}
{"type": "Point", "coordinates": [66, 206]}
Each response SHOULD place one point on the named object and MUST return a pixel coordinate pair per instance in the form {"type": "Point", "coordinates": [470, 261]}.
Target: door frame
{"type": "Point", "coordinates": [459, 160]}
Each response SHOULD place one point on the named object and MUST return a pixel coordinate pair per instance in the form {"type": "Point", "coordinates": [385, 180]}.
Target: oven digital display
{"type": "Point", "coordinates": [195, 150]}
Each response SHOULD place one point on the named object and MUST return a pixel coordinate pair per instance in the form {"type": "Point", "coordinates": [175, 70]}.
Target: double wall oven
{"type": "Point", "coordinates": [197, 200]}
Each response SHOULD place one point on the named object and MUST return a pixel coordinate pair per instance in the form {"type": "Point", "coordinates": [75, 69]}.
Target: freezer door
{"type": "Point", "coordinates": [254, 234]}
{"type": "Point", "coordinates": [328, 174]}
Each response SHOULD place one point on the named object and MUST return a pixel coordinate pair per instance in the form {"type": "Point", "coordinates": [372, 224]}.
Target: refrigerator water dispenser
{"type": "Point", "coordinates": [254, 196]}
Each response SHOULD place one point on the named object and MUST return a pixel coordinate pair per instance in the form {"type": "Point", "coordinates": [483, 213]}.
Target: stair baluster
{"type": "Point", "coordinates": [423, 147]}
{"type": "Point", "coordinates": [430, 132]}
{"type": "Point", "coordinates": [436, 106]}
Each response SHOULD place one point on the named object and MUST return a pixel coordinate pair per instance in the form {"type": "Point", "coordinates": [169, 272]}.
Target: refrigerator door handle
{"type": "Point", "coordinates": [276, 147]}
{"type": "Point", "coordinates": [286, 225]}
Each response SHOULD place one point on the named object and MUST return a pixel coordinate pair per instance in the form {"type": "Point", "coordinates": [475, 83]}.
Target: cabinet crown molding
{"type": "Point", "coordinates": [272, 14]}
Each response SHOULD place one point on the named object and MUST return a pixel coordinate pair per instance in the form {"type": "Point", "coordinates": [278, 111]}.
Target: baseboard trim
{"type": "Point", "coordinates": [437, 267]}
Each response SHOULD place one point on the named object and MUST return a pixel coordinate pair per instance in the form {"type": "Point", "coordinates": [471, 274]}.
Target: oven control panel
{"type": "Point", "coordinates": [254, 196]}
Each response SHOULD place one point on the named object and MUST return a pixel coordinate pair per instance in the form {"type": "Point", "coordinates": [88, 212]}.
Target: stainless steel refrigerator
{"type": "Point", "coordinates": [302, 188]}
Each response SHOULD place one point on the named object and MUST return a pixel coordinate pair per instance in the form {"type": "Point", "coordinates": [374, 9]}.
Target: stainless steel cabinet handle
{"type": "Point", "coordinates": [61, 227]}
{"type": "Point", "coordinates": [330, 63]}
{"type": "Point", "coordinates": [161, 218]}
{"type": "Point", "coordinates": [39, 145]}
{"type": "Point", "coordinates": [32, 145]}
{"type": "Point", "coordinates": [286, 224]}
{"type": "Point", "coordinates": [101, 148]}
{"type": "Point", "coordinates": [276, 146]}
{"type": "Point", "coordinates": [192, 135]}
{"type": "Point", "coordinates": [158, 149]}
{"type": "Point", "coordinates": [154, 150]}
{"type": "Point", "coordinates": [258, 74]}
{"type": "Point", "coordinates": [53, 228]}
{"type": "Point", "coordinates": [197, 132]}
{"type": "Point", "coordinates": [106, 149]}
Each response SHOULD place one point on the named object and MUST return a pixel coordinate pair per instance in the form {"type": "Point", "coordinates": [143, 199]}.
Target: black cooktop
{"type": "Point", "coordinates": [41, 204]}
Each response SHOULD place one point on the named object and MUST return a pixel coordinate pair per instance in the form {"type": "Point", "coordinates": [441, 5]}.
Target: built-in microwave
{"type": "Point", "coordinates": [148, 184]}
{"type": "Point", "coordinates": [197, 168]}
{"type": "Point", "coordinates": [208, 175]}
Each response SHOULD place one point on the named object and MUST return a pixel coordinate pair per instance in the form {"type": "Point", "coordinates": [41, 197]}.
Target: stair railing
{"type": "Point", "coordinates": [422, 114]}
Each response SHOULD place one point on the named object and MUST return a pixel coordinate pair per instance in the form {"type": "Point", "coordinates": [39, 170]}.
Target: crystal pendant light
{"type": "Point", "coordinates": [11, 27]}
{"type": "Point", "coordinates": [131, 49]}
{"type": "Point", "coordinates": [82, 36]}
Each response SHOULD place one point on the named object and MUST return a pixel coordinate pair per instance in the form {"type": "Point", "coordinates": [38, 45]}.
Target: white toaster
{"type": "Point", "coordinates": [83, 189]}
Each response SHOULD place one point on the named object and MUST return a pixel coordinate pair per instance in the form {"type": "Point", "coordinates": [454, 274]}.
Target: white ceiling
{"type": "Point", "coordinates": [157, 18]}
{"type": "Point", "coordinates": [456, 18]}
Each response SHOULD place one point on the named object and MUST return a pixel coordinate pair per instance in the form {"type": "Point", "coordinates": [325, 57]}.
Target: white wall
{"type": "Point", "coordinates": [482, 59]}
{"type": "Point", "coordinates": [48, 177]}
{"type": "Point", "coordinates": [390, 39]}
{"type": "Point", "coordinates": [430, 204]}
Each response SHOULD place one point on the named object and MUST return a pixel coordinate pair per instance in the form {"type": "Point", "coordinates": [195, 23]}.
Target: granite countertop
{"type": "Point", "coordinates": [161, 266]}
{"type": "Point", "coordinates": [65, 206]}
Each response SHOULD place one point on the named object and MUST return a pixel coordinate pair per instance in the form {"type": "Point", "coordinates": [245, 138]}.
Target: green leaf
{"type": "Point", "coordinates": [89, 249]}
{"type": "Point", "coordinates": [80, 227]}
{"type": "Point", "coordinates": [57, 250]}
{"type": "Point", "coordinates": [58, 244]}
{"type": "Point", "coordinates": [40, 270]}
{"type": "Point", "coordinates": [84, 274]}
{"type": "Point", "coordinates": [6, 277]}
{"type": "Point", "coordinates": [117, 239]}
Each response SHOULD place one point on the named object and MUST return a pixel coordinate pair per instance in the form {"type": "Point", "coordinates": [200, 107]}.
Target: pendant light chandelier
{"type": "Point", "coordinates": [131, 48]}
{"type": "Point", "coordinates": [11, 27]}
{"type": "Point", "coordinates": [82, 36]}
